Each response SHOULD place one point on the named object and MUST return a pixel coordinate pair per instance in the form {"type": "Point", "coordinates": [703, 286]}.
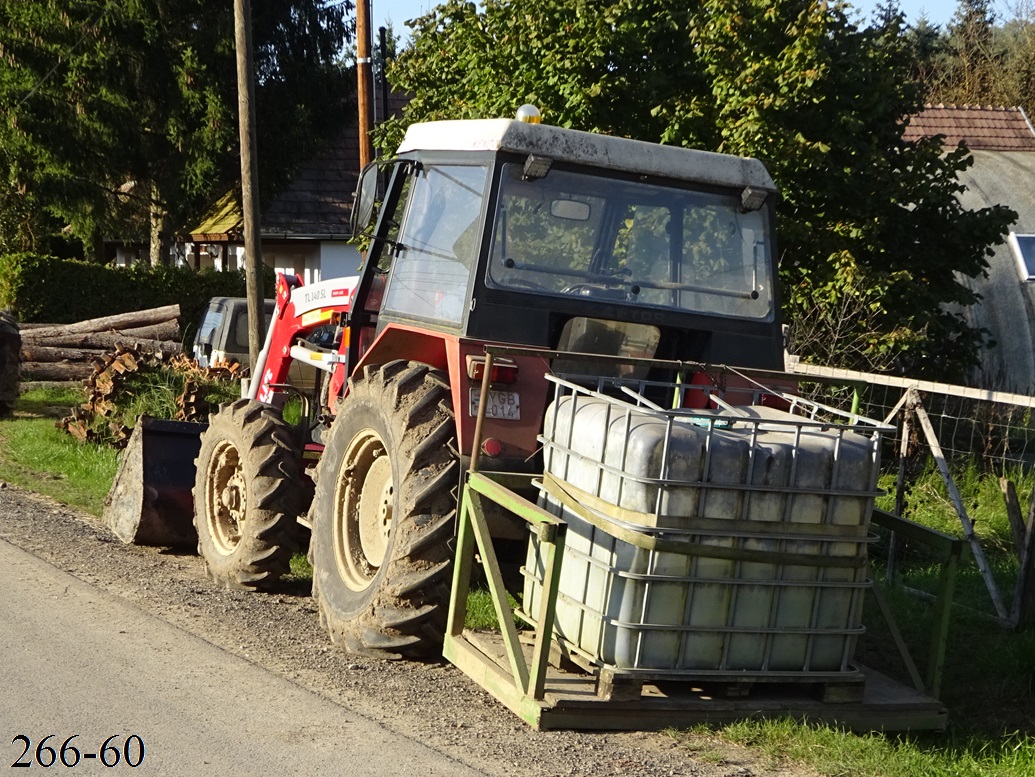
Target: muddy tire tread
{"type": "Point", "coordinates": [403, 613]}
{"type": "Point", "coordinates": [270, 464]}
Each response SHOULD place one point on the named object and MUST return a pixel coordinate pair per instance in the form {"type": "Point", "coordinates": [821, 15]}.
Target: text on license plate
{"type": "Point", "coordinates": [502, 404]}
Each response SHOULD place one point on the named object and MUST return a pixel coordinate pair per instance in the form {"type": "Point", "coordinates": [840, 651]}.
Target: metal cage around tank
{"type": "Point", "coordinates": [707, 538]}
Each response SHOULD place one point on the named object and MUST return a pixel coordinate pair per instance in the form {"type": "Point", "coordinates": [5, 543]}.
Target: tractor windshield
{"type": "Point", "coordinates": [647, 244]}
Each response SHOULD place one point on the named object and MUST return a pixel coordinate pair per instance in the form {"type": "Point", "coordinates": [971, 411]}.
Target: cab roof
{"type": "Point", "coordinates": [587, 148]}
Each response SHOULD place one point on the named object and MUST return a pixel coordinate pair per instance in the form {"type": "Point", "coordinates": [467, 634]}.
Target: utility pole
{"type": "Point", "coordinates": [249, 179]}
{"type": "Point", "coordinates": [364, 79]}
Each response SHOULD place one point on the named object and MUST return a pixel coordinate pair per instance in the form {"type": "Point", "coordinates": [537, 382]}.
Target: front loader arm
{"type": "Point", "coordinates": [300, 310]}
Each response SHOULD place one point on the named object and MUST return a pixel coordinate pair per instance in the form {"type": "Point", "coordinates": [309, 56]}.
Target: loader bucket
{"type": "Point", "coordinates": [150, 502]}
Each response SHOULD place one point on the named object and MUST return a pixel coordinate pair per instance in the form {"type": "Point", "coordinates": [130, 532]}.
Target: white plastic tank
{"type": "Point", "coordinates": [784, 500]}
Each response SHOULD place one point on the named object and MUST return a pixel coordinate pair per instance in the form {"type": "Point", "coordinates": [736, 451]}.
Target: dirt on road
{"type": "Point", "coordinates": [430, 702]}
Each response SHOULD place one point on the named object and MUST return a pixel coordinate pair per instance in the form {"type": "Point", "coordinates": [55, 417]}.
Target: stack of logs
{"type": "Point", "coordinates": [72, 352]}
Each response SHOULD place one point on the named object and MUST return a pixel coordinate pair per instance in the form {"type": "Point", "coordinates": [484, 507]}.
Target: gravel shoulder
{"type": "Point", "coordinates": [433, 703]}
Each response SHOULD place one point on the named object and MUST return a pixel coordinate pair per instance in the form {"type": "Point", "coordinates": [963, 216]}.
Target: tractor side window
{"type": "Point", "coordinates": [394, 221]}
{"type": "Point", "coordinates": [438, 243]}
{"type": "Point", "coordinates": [385, 258]}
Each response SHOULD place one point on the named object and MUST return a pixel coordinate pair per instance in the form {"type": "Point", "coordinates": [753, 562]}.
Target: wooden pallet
{"type": "Point", "coordinates": [615, 684]}
{"type": "Point", "coordinates": [885, 705]}
{"type": "Point", "coordinates": [574, 699]}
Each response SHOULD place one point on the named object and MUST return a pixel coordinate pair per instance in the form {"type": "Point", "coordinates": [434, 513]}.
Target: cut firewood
{"type": "Point", "coordinates": [139, 318]}
{"type": "Point", "coordinates": [56, 370]}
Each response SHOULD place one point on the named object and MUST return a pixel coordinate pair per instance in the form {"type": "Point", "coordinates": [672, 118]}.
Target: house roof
{"type": "Point", "coordinates": [223, 221]}
{"type": "Point", "coordinates": [316, 204]}
{"type": "Point", "coordinates": [318, 201]}
{"type": "Point", "coordinates": [982, 128]}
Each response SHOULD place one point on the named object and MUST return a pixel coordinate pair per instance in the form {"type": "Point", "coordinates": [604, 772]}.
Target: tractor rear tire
{"type": "Point", "coordinates": [247, 496]}
{"type": "Point", "coordinates": [384, 511]}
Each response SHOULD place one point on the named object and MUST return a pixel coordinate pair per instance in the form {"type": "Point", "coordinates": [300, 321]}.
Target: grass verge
{"type": "Point", "coordinates": [832, 752]}
{"type": "Point", "coordinates": [35, 454]}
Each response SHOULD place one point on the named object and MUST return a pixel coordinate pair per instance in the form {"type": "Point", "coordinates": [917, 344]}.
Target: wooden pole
{"type": "Point", "coordinates": [1024, 593]}
{"type": "Point", "coordinates": [1013, 514]}
{"type": "Point", "coordinates": [961, 511]}
{"type": "Point", "coordinates": [364, 85]}
{"type": "Point", "coordinates": [900, 487]}
{"type": "Point", "coordinates": [249, 176]}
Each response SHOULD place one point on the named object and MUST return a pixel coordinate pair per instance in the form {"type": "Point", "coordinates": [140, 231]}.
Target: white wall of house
{"type": "Point", "coordinates": [291, 259]}
{"type": "Point", "coordinates": [313, 260]}
{"type": "Point", "coordinates": [338, 259]}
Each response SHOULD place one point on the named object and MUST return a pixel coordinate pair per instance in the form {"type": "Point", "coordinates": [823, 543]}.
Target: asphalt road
{"type": "Point", "coordinates": [76, 660]}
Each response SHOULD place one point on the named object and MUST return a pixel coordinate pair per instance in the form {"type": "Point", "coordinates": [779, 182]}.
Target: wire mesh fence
{"type": "Point", "coordinates": [993, 430]}
{"type": "Point", "coordinates": [957, 457]}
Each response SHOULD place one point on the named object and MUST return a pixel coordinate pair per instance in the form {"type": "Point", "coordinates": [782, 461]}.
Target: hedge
{"type": "Point", "coordinates": [46, 289]}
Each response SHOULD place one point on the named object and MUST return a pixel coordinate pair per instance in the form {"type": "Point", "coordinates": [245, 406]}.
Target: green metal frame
{"type": "Point", "coordinates": [949, 551]}
{"type": "Point", "coordinates": [520, 684]}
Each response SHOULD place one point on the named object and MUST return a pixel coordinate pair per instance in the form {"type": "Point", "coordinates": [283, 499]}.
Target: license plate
{"type": "Point", "coordinates": [505, 405]}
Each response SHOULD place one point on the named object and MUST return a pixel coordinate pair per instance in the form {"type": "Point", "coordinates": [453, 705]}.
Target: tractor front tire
{"type": "Point", "coordinates": [383, 513]}
{"type": "Point", "coordinates": [247, 496]}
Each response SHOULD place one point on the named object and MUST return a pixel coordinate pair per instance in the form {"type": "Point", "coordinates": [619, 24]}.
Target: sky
{"type": "Point", "coordinates": [938, 11]}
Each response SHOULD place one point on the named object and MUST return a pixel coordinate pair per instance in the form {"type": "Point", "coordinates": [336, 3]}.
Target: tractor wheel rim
{"type": "Point", "coordinates": [363, 510]}
{"type": "Point", "coordinates": [227, 500]}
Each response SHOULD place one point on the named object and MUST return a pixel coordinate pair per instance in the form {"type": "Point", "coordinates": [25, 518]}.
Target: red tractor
{"type": "Point", "coordinates": [503, 232]}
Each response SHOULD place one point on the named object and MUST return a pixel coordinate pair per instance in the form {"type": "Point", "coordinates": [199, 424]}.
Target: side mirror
{"type": "Point", "coordinates": [363, 202]}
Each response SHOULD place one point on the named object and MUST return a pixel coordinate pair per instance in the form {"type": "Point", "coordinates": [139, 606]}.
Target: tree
{"type": "Point", "coordinates": [930, 53]}
{"type": "Point", "coordinates": [978, 60]}
{"type": "Point", "coordinates": [596, 65]}
{"type": "Point", "coordinates": [119, 117]}
{"type": "Point", "coordinates": [869, 223]}
{"type": "Point", "coordinates": [975, 71]}
{"type": "Point", "coordinates": [822, 103]}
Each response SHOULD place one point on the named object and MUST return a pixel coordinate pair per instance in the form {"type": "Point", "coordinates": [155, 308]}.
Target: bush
{"type": "Point", "coordinates": [40, 288]}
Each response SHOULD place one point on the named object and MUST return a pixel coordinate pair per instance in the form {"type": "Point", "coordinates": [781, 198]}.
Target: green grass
{"type": "Point", "coordinates": [481, 613]}
{"type": "Point", "coordinates": [50, 402]}
{"type": "Point", "coordinates": [833, 752]}
{"type": "Point", "coordinates": [928, 502]}
{"type": "Point", "coordinates": [36, 454]}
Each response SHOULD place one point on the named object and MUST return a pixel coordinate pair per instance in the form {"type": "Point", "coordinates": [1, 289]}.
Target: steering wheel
{"type": "Point", "coordinates": [524, 283]}
{"type": "Point", "coordinates": [601, 292]}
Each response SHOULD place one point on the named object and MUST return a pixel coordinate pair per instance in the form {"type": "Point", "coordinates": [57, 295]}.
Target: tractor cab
{"type": "Point", "coordinates": [515, 232]}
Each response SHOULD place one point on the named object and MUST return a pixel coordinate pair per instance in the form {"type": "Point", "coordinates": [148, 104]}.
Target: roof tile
{"type": "Point", "coordinates": [318, 201]}
{"type": "Point", "coordinates": [983, 128]}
